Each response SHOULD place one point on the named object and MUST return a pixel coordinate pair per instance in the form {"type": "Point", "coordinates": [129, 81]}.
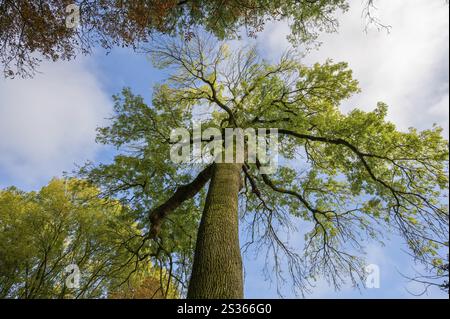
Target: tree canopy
{"type": "Point", "coordinates": [344, 178]}
{"type": "Point", "coordinates": [349, 178]}
{"type": "Point", "coordinates": [32, 30]}
{"type": "Point", "coordinates": [67, 223]}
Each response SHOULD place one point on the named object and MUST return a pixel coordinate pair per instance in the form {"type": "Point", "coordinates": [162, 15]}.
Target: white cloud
{"type": "Point", "coordinates": [48, 123]}
{"type": "Point", "coordinates": [407, 69]}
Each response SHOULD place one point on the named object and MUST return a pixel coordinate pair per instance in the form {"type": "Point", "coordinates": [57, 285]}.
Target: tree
{"type": "Point", "coordinates": [349, 177]}
{"type": "Point", "coordinates": [35, 30]}
{"type": "Point", "coordinates": [64, 224]}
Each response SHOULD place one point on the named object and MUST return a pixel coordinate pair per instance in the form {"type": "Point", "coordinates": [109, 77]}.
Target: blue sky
{"type": "Point", "coordinates": [47, 124]}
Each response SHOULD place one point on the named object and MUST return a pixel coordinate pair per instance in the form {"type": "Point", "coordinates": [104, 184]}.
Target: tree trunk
{"type": "Point", "coordinates": [217, 269]}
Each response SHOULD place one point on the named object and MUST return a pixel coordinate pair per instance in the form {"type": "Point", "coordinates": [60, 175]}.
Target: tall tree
{"type": "Point", "coordinates": [64, 224]}
{"type": "Point", "coordinates": [34, 29]}
{"type": "Point", "coordinates": [349, 177]}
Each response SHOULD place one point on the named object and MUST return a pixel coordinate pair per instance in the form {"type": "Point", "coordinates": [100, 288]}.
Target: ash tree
{"type": "Point", "coordinates": [348, 179]}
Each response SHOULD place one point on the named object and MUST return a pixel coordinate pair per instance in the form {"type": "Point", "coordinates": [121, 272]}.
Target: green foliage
{"type": "Point", "coordinates": [146, 284]}
{"type": "Point", "coordinates": [65, 223]}
{"type": "Point", "coordinates": [350, 177]}
{"type": "Point", "coordinates": [144, 176]}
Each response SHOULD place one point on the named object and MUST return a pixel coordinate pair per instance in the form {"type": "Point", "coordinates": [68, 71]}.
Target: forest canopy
{"type": "Point", "coordinates": [141, 225]}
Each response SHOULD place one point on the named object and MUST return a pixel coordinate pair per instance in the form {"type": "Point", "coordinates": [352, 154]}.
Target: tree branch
{"type": "Point", "coordinates": [182, 194]}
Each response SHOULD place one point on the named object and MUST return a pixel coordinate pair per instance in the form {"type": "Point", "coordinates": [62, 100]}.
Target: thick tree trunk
{"type": "Point", "coordinates": [217, 270]}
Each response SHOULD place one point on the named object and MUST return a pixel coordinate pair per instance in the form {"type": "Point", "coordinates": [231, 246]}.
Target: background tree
{"type": "Point", "coordinates": [65, 223]}
{"type": "Point", "coordinates": [349, 177]}
{"type": "Point", "coordinates": [34, 29]}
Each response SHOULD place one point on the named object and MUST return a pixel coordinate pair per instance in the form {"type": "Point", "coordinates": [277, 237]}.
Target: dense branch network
{"type": "Point", "coordinates": [345, 178]}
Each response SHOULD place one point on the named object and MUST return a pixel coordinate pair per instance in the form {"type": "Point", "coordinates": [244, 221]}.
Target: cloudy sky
{"type": "Point", "coordinates": [47, 124]}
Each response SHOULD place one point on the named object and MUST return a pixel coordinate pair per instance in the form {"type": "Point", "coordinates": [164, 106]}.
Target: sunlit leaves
{"type": "Point", "coordinates": [64, 223]}
{"type": "Point", "coordinates": [349, 177]}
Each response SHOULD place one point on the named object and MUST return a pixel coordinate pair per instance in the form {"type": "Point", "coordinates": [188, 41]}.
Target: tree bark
{"type": "Point", "coordinates": [217, 270]}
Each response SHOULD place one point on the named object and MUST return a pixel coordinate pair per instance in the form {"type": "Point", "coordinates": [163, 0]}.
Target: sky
{"type": "Point", "coordinates": [48, 123]}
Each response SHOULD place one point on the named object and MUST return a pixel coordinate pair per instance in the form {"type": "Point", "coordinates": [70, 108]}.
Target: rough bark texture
{"type": "Point", "coordinates": [217, 269]}
{"type": "Point", "coordinates": [182, 193]}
